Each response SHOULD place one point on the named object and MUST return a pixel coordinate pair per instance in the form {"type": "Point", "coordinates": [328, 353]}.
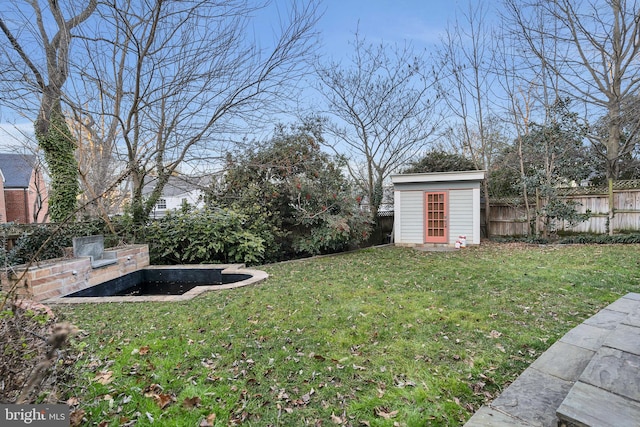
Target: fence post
{"type": "Point", "coordinates": [611, 212]}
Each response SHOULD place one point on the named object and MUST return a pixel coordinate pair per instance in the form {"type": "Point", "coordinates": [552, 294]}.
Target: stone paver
{"type": "Point", "coordinates": [615, 371]}
{"type": "Point", "coordinates": [587, 405]}
{"type": "Point", "coordinates": [606, 319]}
{"type": "Point", "coordinates": [489, 417]}
{"type": "Point", "coordinates": [533, 397]}
{"type": "Point", "coordinates": [619, 339]}
{"type": "Point", "coordinates": [585, 336]}
{"type": "Point", "coordinates": [623, 305]}
{"type": "Point", "coordinates": [633, 319]}
{"type": "Point", "coordinates": [590, 377]}
{"type": "Point", "coordinates": [565, 361]}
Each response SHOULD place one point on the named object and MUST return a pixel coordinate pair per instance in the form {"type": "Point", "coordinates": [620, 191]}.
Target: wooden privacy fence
{"type": "Point", "coordinates": [508, 217]}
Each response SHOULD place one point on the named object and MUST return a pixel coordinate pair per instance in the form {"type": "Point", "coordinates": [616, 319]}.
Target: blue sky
{"type": "Point", "coordinates": [419, 21]}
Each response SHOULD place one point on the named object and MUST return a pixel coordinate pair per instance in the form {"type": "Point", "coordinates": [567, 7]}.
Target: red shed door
{"type": "Point", "coordinates": [436, 229]}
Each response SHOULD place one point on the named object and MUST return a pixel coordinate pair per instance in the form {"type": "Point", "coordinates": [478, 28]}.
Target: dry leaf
{"type": "Point", "coordinates": [144, 350]}
{"type": "Point", "coordinates": [500, 347]}
{"type": "Point", "coordinates": [495, 334]}
{"type": "Point", "coordinates": [73, 401]}
{"type": "Point", "coordinates": [152, 390]}
{"type": "Point", "coordinates": [104, 377]}
{"type": "Point", "coordinates": [191, 402]}
{"type": "Point", "coordinates": [208, 422]}
{"type": "Point", "coordinates": [336, 419]}
{"type": "Point", "coordinates": [163, 400]}
{"type": "Point", "coordinates": [75, 418]}
{"type": "Point", "coordinates": [384, 413]}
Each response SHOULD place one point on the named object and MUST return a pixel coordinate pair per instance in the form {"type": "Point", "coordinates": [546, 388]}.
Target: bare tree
{"type": "Point", "coordinates": [173, 81]}
{"type": "Point", "coordinates": [98, 169]}
{"type": "Point", "coordinates": [595, 57]}
{"type": "Point", "coordinates": [468, 60]}
{"type": "Point", "coordinates": [383, 106]}
{"type": "Point", "coordinates": [519, 101]}
{"type": "Point", "coordinates": [529, 90]}
{"type": "Point", "coordinates": [38, 63]}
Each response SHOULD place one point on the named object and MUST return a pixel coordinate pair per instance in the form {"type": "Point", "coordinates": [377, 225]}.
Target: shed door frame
{"type": "Point", "coordinates": [436, 216]}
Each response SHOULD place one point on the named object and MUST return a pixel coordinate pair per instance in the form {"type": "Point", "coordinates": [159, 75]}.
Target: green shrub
{"type": "Point", "coordinates": [627, 238]}
{"type": "Point", "coordinates": [602, 238]}
{"type": "Point", "coordinates": [30, 246]}
{"type": "Point", "coordinates": [203, 236]}
{"type": "Point", "coordinates": [304, 202]}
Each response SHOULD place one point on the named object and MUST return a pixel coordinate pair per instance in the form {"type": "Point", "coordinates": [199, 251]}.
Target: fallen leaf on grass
{"type": "Point", "coordinates": [500, 347]}
{"type": "Point", "coordinates": [104, 377]}
{"type": "Point", "coordinates": [75, 418]}
{"type": "Point", "coordinates": [152, 390]}
{"type": "Point", "coordinates": [494, 334]}
{"type": "Point", "coordinates": [191, 402]}
{"type": "Point", "coordinates": [73, 401]}
{"type": "Point", "coordinates": [163, 400]}
{"type": "Point", "coordinates": [336, 419]}
{"type": "Point", "coordinates": [208, 422]}
{"type": "Point", "coordinates": [385, 413]}
{"type": "Point", "coordinates": [144, 350]}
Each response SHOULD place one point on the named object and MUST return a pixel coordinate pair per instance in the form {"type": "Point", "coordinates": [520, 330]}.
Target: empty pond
{"type": "Point", "coordinates": [164, 283]}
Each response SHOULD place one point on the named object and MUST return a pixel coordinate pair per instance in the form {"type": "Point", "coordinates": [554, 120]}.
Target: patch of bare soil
{"type": "Point", "coordinates": [33, 361]}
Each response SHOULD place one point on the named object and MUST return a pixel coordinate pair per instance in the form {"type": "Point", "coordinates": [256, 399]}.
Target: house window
{"type": "Point", "coordinates": [162, 204]}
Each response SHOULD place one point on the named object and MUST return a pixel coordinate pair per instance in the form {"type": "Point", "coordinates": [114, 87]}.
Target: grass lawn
{"type": "Point", "coordinates": [380, 337]}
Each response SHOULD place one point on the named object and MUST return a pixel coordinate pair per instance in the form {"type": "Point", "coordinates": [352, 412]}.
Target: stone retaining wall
{"type": "Point", "coordinates": [54, 278]}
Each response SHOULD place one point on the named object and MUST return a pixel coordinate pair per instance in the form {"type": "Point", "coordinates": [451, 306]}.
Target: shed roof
{"type": "Point", "coordinates": [17, 169]}
{"type": "Point", "coordinates": [438, 177]}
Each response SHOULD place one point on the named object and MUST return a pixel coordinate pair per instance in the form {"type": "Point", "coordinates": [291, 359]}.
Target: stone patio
{"type": "Point", "coordinates": [590, 377]}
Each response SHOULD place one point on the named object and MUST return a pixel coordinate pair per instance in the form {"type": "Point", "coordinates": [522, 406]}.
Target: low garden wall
{"type": "Point", "coordinates": [54, 278]}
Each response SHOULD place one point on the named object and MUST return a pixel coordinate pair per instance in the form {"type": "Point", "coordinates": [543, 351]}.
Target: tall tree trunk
{"type": "Point", "coordinates": [57, 143]}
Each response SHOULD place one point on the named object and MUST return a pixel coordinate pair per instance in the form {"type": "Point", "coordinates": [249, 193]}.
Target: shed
{"type": "Point", "coordinates": [436, 208]}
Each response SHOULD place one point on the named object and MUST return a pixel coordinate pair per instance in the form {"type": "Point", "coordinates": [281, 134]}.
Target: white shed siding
{"type": "Point", "coordinates": [461, 214]}
{"type": "Point", "coordinates": [463, 203]}
{"type": "Point", "coordinates": [411, 227]}
{"type": "Point", "coordinates": [476, 218]}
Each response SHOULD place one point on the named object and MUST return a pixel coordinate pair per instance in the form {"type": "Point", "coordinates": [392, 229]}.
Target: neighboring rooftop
{"type": "Point", "coordinates": [17, 169]}
{"type": "Point", "coordinates": [177, 185]}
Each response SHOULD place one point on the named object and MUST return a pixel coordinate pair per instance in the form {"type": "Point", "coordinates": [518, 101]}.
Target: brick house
{"type": "Point", "coordinates": [23, 192]}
